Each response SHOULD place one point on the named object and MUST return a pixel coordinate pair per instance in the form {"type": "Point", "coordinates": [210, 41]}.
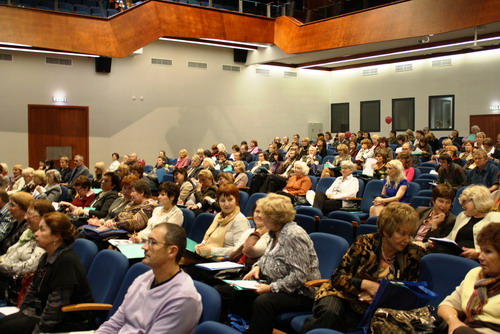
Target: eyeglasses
{"type": "Point", "coordinates": [152, 242]}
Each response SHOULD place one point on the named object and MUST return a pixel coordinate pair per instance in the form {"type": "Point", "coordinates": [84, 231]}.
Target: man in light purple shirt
{"type": "Point", "coordinates": [164, 299]}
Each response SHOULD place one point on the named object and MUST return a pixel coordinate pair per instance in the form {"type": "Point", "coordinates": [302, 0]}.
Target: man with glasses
{"type": "Point", "coordinates": [485, 173]}
{"type": "Point", "coordinates": [164, 299]}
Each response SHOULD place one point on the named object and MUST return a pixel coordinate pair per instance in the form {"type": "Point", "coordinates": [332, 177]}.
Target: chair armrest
{"type": "Point", "coordinates": [243, 188]}
{"type": "Point", "coordinates": [353, 199]}
{"type": "Point", "coordinates": [316, 282]}
{"type": "Point", "coordinates": [86, 307]}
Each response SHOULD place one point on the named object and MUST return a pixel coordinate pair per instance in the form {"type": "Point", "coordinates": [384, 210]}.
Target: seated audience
{"type": "Point", "coordinates": [433, 142]}
{"type": "Point", "coordinates": [406, 160]}
{"type": "Point", "coordinates": [344, 187]}
{"type": "Point", "coordinates": [167, 212]}
{"type": "Point", "coordinates": [467, 155]}
{"type": "Point", "coordinates": [228, 225]}
{"type": "Point", "coordinates": [394, 190]}
{"type": "Point", "coordinates": [183, 160]}
{"type": "Point", "coordinates": [262, 164]}
{"type": "Point", "coordinates": [5, 218]}
{"type": "Point", "coordinates": [115, 157]}
{"type": "Point", "coordinates": [152, 176]}
{"type": "Point", "coordinates": [480, 137]}
{"type": "Point", "coordinates": [298, 184]}
{"type": "Point", "coordinates": [474, 306]}
{"type": "Point", "coordinates": [80, 169]}
{"type": "Point", "coordinates": [22, 257]}
{"type": "Point", "coordinates": [16, 182]}
{"type": "Point", "coordinates": [240, 178]}
{"type": "Point", "coordinates": [423, 150]}
{"type": "Point", "coordinates": [164, 299]}
{"type": "Point", "coordinates": [59, 280]}
{"type": "Point", "coordinates": [99, 170]}
{"type": "Point", "coordinates": [194, 168]}
{"type": "Point", "coordinates": [491, 150]}
{"type": "Point", "coordinates": [13, 225]}
{"type": "Point", "coordinates": [29, 184]}
{"type": "Point", "coordinates": [136, 214]}
{"type": "Point", "coordinates": [209, 164]}
{"type": "Point", "coordinates": [123, 170]}
{"type": "Point", "coordinates": [456, 140]}
{"type": "Point", "coordinates": [52, 191]}
{"type": "Point", "coordinates": [225, 178]}
{"type": "Point", "coordinates": [379, 168]}
{"type": "Point", "coordinates": [204, 192]}
{"type": "Point", "coordinates": [288, 262]}
{"type": "Point", "coordinates": [477, 203]}
{"type": "Point", "coordinates": [311, 159]}
{"type": "Point", "coordinates": [223, 164]}
{"type": "Point", "coordinates": [484, 173]}
{"type": "Point", "coordinates": [276, 182]}
{"type": "Point", "coordinates": [100, 206]}
{"type": "Point", "coordinates": [341, 302]}
{"type": "Point", "coordinates": [39, 180]}
{"type": "Point", "coordinates": [119, 204]}
{"type": "Point", "coordinates": [384, 145]}
{"type": "Point", "coordinates": [254, 147]}
{"type": "Point", "coordinates": [450, 173]}
{"type": "Point", "coordinates": [321, 148]}
{"type": "Point", "coordinates": [185, 185]}
{"type": "Point", "coordinates": [364, 153]}
{"type": "Point", "coordinates": [436, 221]}
{"type": "Point", "coordinates": [84, 197]}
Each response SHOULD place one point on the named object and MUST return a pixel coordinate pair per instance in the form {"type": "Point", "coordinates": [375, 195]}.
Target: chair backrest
{"type": "Point", "coordinates": [243, 199]}
{"type": "Point", "coordinates": [324, 183]}
{"type": "Point", "coordinates": [160, 173]}
{"type": "Point", "coordinates": [210, 300]}
{"type": "Point", "coordinates": [420, 201]}
{"type": "Point", "coordinates": [251, 165]}
{"type": "Point", "coordinates": [372, 189]}
{"type": "Point", "coordinates": [426, 176]}
{"type": "Point", "coordinates": [429, 164]}
{"type": "Point", "coordinates": [413, 189]}
{"type": "Point", "coordinates": [417, 173]}
{"type": "Point", "coordinates": [371, 220]}
{"type": "Point", "coordinates": [148, 168]}
{"type": "Point", "coordinates": [330, 250]}
{"type": "Point", "coordinates": [133, 272]}
{"type": "Point", "coordinates": [425, 192]}
{"type": "Point", "coordinates": [309, 211]}
{"type": "Point", "coordinates": [444, 272]}
{"type": "Point", "coordinates": [189, 217]}
{"type": "Point", "coordinates": [314, 181]}
{"type": "Point", "coordinates": [425, 184]}
{"type": "Point", "coordinates": [250, 179]}
{"type": "Point", "coordinates": [86, 251]}
{"type": "Point", "coordinates": [361, 188]}
{"type": "Point", "coordinates": [457, 207]}
{"type": "Point", "coordinates": [337, 227]}
{"type": "Point", "coordinates": [424, 170]}
{"type": "Point", "coordinates": [308, 223]}
{"type": "Point", "coordinates": [329, 158]}
{"type": "Point", "coordinates": [345, 216]}
{"type": "Point", "coordinates": [214, 327]}
{"type": "Point", "coordinates": [200, 226]}
{"type": "Point", "coordinates": [105, 275]}
{"type": "Point", "coordinates": [247, 211]}
{"type": "Point", "coordinates": [366, 229]}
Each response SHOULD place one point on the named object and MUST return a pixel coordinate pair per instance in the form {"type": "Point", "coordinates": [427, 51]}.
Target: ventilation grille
{"type": "Point", "coordinates": [5, 56]}
{"type": "Point", "coordinates": [403, 68]}
{"type": "Point", "coordinates": [288, 74]}
{"type": "Point", "coordinates": [58, 61]}
{"type": "Point", "coordinates": [231, 68]}
{"type": "Point", "coordinates": [370, 71]}
{"type": "Point", "coordinates": [160, 61]}
{"type": "Point", "coordinates": [262, 71]}
{"type": "Point", "coordinates": [441, 63]}
{"type": "Point", "coordinates": [194, 64]}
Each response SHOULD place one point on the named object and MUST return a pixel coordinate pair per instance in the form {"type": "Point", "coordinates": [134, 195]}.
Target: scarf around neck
{"type": "Point", "coordinates": [484, 288]}
{"type": "Point", "coordinates": [216, 233]}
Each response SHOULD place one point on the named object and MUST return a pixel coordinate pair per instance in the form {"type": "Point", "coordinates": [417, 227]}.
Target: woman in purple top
{"type": "Point", "coordinates": [394, 190]}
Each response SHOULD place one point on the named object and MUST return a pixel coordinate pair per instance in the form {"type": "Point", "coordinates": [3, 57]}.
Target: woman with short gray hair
{"type": "Point", "coordinates": [52, 191]}
{"type": "Point", "coordinates": [337, 195]}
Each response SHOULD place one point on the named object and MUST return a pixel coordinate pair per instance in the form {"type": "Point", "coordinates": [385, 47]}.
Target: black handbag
{"type": "Point", "coordinates": [390, 321]}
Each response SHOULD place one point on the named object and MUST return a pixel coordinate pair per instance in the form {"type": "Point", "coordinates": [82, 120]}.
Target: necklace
{"type": "Point", "coordinates": [389, 259]}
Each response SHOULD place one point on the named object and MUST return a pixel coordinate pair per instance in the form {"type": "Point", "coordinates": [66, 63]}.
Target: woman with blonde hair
{"type": "Point", "coordinates": [183, 160]}
{"type": "Point", "coordinates": [477, 203]}
{"type": "Point", "coordinates": [241, 178]}
{"type": "Point", "coordinates": [288, 262]}
{"type": "Point", "coordinates": [394, 190]}
{"type": "Point", "coordinates": [99, 169]}
{"type": "Point", "coordinates": [225, 178]}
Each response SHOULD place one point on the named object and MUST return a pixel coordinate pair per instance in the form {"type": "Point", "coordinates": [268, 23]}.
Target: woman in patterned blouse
{"type": "Point", "coordinates": [288, 262]}
{"type": "Point", "coordinates": [341, 302]}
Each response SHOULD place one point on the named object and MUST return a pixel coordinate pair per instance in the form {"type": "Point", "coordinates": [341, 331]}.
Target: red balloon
{"type": "Point", "coordinates": [388, 119]}
{"type": "Point", "coordinates": [348, 134]}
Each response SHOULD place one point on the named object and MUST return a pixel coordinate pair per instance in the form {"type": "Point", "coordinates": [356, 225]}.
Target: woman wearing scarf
{"type": "Point", "coordinates": [228, 225]}
{"type": "Point", "coordinates": [474, 307]}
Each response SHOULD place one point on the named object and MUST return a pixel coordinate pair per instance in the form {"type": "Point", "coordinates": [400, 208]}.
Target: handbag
{"type": "Point", "coordinates": [389, 321]}
{"type": "Point", "coordinates": [398, 295]}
